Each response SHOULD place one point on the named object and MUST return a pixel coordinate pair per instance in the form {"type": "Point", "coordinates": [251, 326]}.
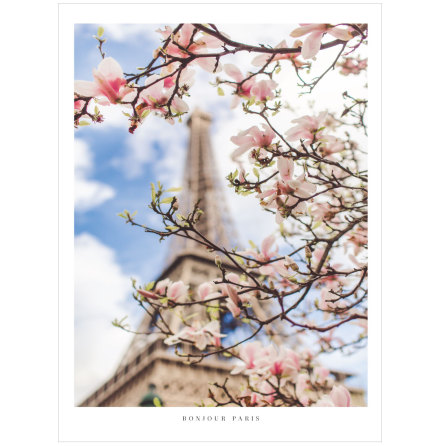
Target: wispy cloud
{"type": "Point", "coordinates": [89, 193]}
{"type": "Point", "coordinates": [125, 33]}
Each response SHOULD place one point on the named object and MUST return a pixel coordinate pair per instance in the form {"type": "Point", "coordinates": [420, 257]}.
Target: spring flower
{"type": "Point", "coordinates": [201, 336]}
{"type": "Point", "coordinates": [199, 45]}
{"type": "Point", "coordinates": [249, 353]}
{"type": "Point", "coordinates": [253, 137]}
{"type": "Point", "coordinates": [262, 59]}
{"type": "Point", "coordinates": [109, 82]}
{"type": "Point", "coordinates": [312, 44]}
{"type": "Point", "coordinates": [339, 397]}
{"type": "Point", "coordinates": [308, 128]}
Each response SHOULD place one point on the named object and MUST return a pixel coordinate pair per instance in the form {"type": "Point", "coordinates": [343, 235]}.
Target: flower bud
{"type": "Point", "coordinates": [218, 261]}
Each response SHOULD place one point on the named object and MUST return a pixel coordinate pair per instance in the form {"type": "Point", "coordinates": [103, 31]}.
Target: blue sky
{"type": "Point", "coordinates": [113, 170]}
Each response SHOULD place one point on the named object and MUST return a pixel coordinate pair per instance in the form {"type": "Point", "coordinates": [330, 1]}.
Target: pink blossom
{"type": "Point", "coordinates": [253, 137]}
{"type": "Point", "coordinates": [234, 299]}
{"type": "Point", "coordinates": [350, 65]}
{"type": "Point", "coordinates": [177, 291]}
{"type": "Point", "coordinates": [312, 44]}
{"type": "Point", "coordinates": [286, 195]}
{"type": "Point", "coordinates": [331, 144]}
{"type": "Point", "coordinates": [243, 89]}
{"type": "Point", "coordinates": [201, 336]}
{"type": "Point", "coordinates": [300, 187]}
{"type": "Point", "coordinates": [264, 394]}
{"type": "Point", "coordinates": [78, 104]}
{"type": "Point", "coordinates": [262, 59]}
{"type": "Point", "coordinates": [249, 353]}
{"type": "Point", "coordinates": [302, 387]}
{"type": "Point", "coordinates": [321, 375]}
{"type": "Point", "coordinates": [265, 255]}
{"type": "Point", "coordinates": [109, 82]}
{"type": "Point", "coordinates": [340, 396]}
{"type": "Point", "coordinates": [264, 90]}
{"type": "Point", "coordinates": [200, 45]}
{"type": "Point", "coordinates": [285, 167]}
{"type": "Point", "coordinates": [308, 128]}
{"type": "Point", "coordinates": [279, 362]}
{"type": "Point", "coordinates": [322, 212]}
{"type": "Point", "coordinates": [207, 290]}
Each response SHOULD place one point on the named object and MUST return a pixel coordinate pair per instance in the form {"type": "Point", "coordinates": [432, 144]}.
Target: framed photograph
{"type": "Point", "coordinates": [216, 214]}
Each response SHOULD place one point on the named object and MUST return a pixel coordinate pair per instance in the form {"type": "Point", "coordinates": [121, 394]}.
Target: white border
{"type": "Point", "coordinates": [151, 424]}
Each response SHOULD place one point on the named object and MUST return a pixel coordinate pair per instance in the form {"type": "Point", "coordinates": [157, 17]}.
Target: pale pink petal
{"type": "Point", "coordinates": [233, 71]}
{"type": "Point", "coordinates": [340, 396]}
{"type": "Point", "coordinates": [209, 64]}
{"type": "Point", "coordinates": [185, 34]}
{"type": "Point", "coordinates": [204, 289]}
{"type": "Point", "coordinates": [235, 101]}
{"type": "Point", "coordinates": [341, 34]}
{"type": "Point", "coordinates": [86, 88]}
{"type": "Point", "coordinates": [110, 69]}
{"type": "Point", "coordinates": [307, 28]}
{"type": "Point", "coordinates": [234, 309]}
{"type": "Point", "coordinates": [265, 246]}
{"type": "Point", "coordinates": [312, 45]}
{"type": "Point", "coordinates": [263, 89]}
{"type": "Point", "coordinates": [260, 60]}
{"type": "Point", "coordinates": [180, 105]}
{"type": "Point", "coordinates": [285, 167]}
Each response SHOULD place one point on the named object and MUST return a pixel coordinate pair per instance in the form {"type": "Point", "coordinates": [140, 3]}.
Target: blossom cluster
{"type": "Point", "coordinates": [280, 375]}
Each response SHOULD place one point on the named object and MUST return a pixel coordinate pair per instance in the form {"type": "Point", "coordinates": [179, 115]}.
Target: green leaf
{"type": "Point", "coordinates": [256, 172]}
{"type": "Point", "coordinates": [174, 189]}
{"type": "Point", "coordinates": [246, 320]}
{"type": "Point", "coordinates": [167, 200]}
{"type": "Point", "coordinates": [153, 192]}
{"type": "Point", "coordinates": [100, 32]}
{"type": "Point", "coordinates": [84, 123]}
{"type": "Point", "coordinates": [239, 260]}
{"type": "Point", "coordinates": [220, 91]}
{"type": "Point", "coordinates": [149, 286]}
{"type": "Point", "coordinates": [171, 228]}
{"type": "Point", "coordinates": [96, 110]}
{"type": "Point", "coordinates": [317, 224]}
{"type": "Point", "coordinates": [156, 402]}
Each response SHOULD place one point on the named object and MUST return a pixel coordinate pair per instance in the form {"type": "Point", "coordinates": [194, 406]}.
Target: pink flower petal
{"type": "Point", "coordinates": [312, 45]}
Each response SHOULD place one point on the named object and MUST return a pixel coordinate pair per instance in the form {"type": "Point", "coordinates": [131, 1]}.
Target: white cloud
{"type": "Point", "coordinates": [125, 33]}
{"type": "Point", "coordinates": [166, 159]}
{"type": "Point", "coordinates": [88, 193]}
{"type": "Point", "coordinates": [101, 288]}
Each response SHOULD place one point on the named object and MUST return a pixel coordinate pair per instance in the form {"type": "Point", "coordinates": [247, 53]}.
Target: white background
{"type": "Point", "coordinates": [29, 243]}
